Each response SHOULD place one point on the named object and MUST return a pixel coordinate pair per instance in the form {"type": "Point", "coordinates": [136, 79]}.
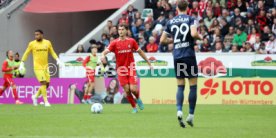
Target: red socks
{"type": "Point", "coordinates": [131, 101]}
{"type": "Point", "coordinates": [15, 95]}
{"type": "Point", "coordinates": [87, 97]}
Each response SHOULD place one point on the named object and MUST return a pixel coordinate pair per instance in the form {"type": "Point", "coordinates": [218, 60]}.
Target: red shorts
{"type": "Point", "coordinates": [8, 81]}
{"type": "Point", "coordinates": [90, 74]}
{"type": "Point", "coordinates": [128, 78]}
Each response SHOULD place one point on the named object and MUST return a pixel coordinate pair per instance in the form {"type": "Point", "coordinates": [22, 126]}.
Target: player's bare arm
{"type": "Point", "coordinates": [143, 55]}
{"type": "Point", "coordinates": [104, 53]}
{"type": "Point", "coordinates": [164, 39]}
{"type": "Point", "coordinates": [194, 33]}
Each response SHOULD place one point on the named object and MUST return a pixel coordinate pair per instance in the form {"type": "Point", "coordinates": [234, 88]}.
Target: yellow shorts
{"type": "Point", "coordinates": [42, 75]}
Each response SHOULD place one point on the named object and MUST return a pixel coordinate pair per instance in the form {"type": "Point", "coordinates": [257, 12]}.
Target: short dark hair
{"type": "Point", "coordinates": [7, 53]}
{"type": "Point", "coordinates": [123, 25]}
{"type": "Point", "coordinates": [182, 5]}
{"type": "Point", "coordinates": [39, 31]}
{"type": "Point", "coordinates": [17, 53]}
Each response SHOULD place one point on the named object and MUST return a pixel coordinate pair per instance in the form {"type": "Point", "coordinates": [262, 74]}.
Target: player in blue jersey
{"type": "Point", "coordinates": [183, 30]}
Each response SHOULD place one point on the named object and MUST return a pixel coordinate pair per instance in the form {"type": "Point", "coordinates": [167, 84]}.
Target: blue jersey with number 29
{"type": "Point", "coordinates": [179, 28]}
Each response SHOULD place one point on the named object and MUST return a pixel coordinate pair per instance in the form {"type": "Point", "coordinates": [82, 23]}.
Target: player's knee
{"type": "Point", "coordinates": [128, 93]}
{"type": "Point", "coordinates": [134, 90]}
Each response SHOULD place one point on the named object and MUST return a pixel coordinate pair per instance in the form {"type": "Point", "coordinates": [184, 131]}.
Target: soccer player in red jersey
{"type": "Point", "coordinates": [123, 47]}
{"type": "Point", "coordinates": [8, 68]}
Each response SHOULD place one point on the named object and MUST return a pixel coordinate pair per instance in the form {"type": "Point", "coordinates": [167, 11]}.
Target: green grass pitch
{"type": "Point", "coordinates": [156, 121]}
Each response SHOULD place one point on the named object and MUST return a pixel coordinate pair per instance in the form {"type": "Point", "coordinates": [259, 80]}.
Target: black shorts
{"type": "Point", "coordinates": [186, 68]}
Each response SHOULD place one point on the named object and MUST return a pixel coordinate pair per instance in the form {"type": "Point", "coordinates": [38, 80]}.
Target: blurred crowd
{"type": "Point", "coordinates": [227, 26]}
{"type": "Point", "coordinates": [4, 3]}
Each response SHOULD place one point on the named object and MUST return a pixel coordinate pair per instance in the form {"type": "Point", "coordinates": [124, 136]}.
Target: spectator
{"type": "Point", "coordinates": [135, 28]}
{"type": "Point", "coordinates": [237, 14]}
{"type": "Point", "coordinates": [239, 23]}
{"type": "Point", "coordinates": [158, 10]}
{"type": "Point", "coordinates": [142, 33]}
{"type": "Point", "coordinates": [274, 26]}
{"type": "Point", "coordinates": [195, 9]}
{"type": "Point", "coordinates": [224, 27]}
{"type": "Point", "coordinates": [203, 32]}
{"type": "Point", "coordinates": [205, 47]}
{"type": "Point", "coordinates": [171, 15]}
{"type": "Point", "coordinates": [124, 19]}
{"type": "Point", "coordinates": [231, 4]}
{"type": "Point", "coordinates": [257, 43]}
{"type": "Point", "coordinates": [261, 19]}
{"type": "Point", "coordinates": [108, 27]}
{"type": "Point", "coordinates": [114, 32]}
{"type": "Point", "coordinates": [215, 37]}
{"type": "Point", "coordinates": [239, 37]}
{"type": "Point", "coordinates": [142, 42]}
{"type": "Point", "coordinates": [271, 45]}
{"type": "Point", "coordinates": [250, 26]}
{"type": "Point", "coordinates": [225, 15]}
{"type": "Point", "coordinates": [234, 48]}
{"type": "Point", "coordinates": [91, 47]}
{"type": "Point", "coordinates": [217, 10]}
{"type": "Point", "coordinates": [215, 25]}
{"type": "Point", "coordinates": [148, 30]}
{"type": "Point", "coordinates": [149, 19]}
{"type": "Point", "coordinates": [266, 32]}
{"type": "Point", "coordinates": [105, 40]}
{"type": "Point", "coordinates": [136, 17]}
{"type": "Point", "coordinates": [247, 47]}
{"type": "Point", "coordinates": [241, 5]}
{"type": "Point", "coordinates": [17, 62]}
{"type": "Point", "coordinates": [251, 38]}
{"type": "Point", "coordinates": [262, 49]}
{"type": "Point", "coordinates": [129, 34]}
{"type": "Point", "coordinates": [202, 5]}
{"type": "Point", "coordinates": [209, 19]}
{"type": "Point", "coordinates": [156, 36]}
{"type": "Point", "coordinates": [219, 48]}
{"type": "Point", "coordinates": [161, 20]}
{"type": "Point", "coordinates": [167, 9]}
{"type": "Point", "coordinates": [80, 49]}
{"type": "Point", "coordinates": [131, 13]}
{"type": "Point", "coordinates": [100, 46]}
{"type": "Point", "coordinates": [152, 47]}
{"type": "Point", "coordinates": [228, 39]}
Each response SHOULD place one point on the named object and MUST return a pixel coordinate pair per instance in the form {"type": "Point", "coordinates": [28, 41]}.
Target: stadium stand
{"type": "Point", "coordinates": [227, 25]}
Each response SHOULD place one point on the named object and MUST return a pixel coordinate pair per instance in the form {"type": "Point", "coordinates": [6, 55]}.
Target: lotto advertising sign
{"type": "Point", "coordinates": [237, 91]}
{"type": "Point", "coordinates": [249, 91]}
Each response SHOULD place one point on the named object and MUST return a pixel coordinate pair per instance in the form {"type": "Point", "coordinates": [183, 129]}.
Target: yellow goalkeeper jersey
{"type": "Point", "coordinates": [40, 52]}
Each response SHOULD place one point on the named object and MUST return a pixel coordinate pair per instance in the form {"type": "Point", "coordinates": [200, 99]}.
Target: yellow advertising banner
{"type": "Point", "coordinates": [255, 91]}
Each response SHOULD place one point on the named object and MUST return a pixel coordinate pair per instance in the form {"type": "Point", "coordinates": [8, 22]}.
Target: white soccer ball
{"type": "Point", "coordinates": [96, 108]}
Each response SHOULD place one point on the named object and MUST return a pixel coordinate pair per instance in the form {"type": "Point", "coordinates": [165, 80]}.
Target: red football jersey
{"type": "Point", "coordinates": [123, 50]}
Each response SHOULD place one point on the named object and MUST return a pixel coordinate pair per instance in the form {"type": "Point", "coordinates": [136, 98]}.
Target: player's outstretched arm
{"type": "Point", "coordinates": [54, 55]}
{"type": "Point", "coordinates": [25, 57]}
{"type": "Point", "coordinates": [104, 53]}
{"type": "Point", "coordinates": [143, 55]}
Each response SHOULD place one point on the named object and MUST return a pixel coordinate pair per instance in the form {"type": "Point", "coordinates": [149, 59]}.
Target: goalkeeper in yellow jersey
{"type": "Point", "coordinates": [40, 48]}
